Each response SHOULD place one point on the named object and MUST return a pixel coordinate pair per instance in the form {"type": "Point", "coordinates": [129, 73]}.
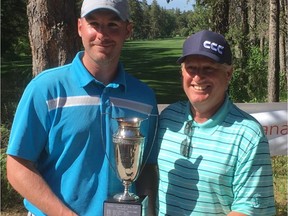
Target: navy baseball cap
{"type": "Point", "coordinates": [209, 44]}
{"type": "Point", "coordinates": [120, 7]}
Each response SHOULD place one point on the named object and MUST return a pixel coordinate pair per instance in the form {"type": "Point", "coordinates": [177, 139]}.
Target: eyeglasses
{"type": "Point", "coordinates": [186, 144]}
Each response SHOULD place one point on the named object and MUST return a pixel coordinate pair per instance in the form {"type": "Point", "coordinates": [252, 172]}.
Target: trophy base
{"type": "Point", "coordinates": [122, 197]}
{"type": "Point", "coordinates": [113, 207]}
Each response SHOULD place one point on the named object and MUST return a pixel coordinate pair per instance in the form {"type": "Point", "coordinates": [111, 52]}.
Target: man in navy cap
{"type": "Point", "coordinates": [60, 153]}
{"type": "Point", "coordinates": [214, 158]}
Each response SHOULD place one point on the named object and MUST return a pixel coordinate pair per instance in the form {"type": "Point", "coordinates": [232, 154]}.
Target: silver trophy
{"type": "Point", "coordinates": [128, 153]}
{"type": "Point", "coordinates": [128, 148]}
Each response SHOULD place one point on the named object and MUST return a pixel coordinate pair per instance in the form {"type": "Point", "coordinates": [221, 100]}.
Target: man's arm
{"type": "Point", "coordinates": [147, 184]}
{"type": "Point", "coordinates": [27, 181]}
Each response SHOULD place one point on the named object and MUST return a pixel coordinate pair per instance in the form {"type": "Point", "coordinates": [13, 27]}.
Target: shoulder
{"type": "Point", "coordinates": [63, 74]}
{"type": "Point", "coordinates": [240, 117]}
{"type": "Point", "coordinates": [174, 114]}
{"type": "Point", "coordinates": [177, 108]}
{"type": "Point", "coordinates": [140, 91]}
{"type": "Point", "coordinates": [135, 84]}
{"type": "Point", "coordinates": [53, 74]}
{"type": "Point", "coordinates": [245, 125]}
{"type": "Point", "coordinates": [45, 84]}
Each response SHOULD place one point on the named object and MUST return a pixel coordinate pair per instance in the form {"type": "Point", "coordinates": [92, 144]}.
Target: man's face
{"type": "Point", "coordinates": [205, 81]}
{"type": "Point", "coordinates": [103, 34]}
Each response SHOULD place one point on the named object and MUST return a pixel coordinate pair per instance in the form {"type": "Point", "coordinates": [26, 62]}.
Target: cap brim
{"type": "Point", "coordinates": [199, 53]}
{"type": "Point", "coordinates": [104, 8]}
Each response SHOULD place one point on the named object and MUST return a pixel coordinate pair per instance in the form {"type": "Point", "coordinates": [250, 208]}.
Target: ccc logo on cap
{"type": "Point", "coordinates": [213, 46]}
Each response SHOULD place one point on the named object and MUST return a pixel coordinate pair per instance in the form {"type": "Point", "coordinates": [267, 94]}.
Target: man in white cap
{"type": "Point", "coordinates": [60, 156]}
{"type": "Point", "coordinates": [214, 158]}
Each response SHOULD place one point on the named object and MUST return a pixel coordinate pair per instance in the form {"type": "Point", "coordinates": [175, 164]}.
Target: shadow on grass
{"type": "Point", "coordinates": [15, 75]}
{"type": "Point", "coordinates": [154, 62]}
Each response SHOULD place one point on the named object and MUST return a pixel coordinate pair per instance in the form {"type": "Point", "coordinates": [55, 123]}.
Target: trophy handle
{"type": "Point", "coordinates": [102, 139]}
{"type": "Point", "coordinates": [153, 141]}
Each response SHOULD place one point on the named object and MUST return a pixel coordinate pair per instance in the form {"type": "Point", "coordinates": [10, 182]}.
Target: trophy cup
{"type": "Point", "coordinates": [128, 148]}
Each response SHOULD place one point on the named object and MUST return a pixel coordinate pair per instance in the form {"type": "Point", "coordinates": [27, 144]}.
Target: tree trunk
{"type": "Point", "coordinates": [52, 33]}
{"type": "Point", "coordinates": [253, 21]}
{"type": "Point", "coordinates": [220, 16]}
{"type": "Point", "coordinates": [243, 45]}
{"type": "Point", "coordinates": [273, 62]}
{"type": "Point", "coordinates": [245, 32]}
{"type": "Point", "coordinates": [283, 37]}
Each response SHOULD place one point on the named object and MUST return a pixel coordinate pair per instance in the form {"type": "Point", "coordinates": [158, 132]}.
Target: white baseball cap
{"type": "Point", "coordinates": [120, 7]}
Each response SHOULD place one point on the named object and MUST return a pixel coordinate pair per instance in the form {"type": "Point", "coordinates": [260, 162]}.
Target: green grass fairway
{"type": "Point", "coordinates": [154, 62]}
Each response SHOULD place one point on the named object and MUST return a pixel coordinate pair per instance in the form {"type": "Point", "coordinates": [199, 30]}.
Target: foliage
{"type": "Point", "coordinates": [280, 168]}
{"type": "Point", "coordinates": [9, 197]}
{"type": "Point", "coordinates": [238, 86]}
{"type": "Point", "coordinates": [283, 86]}
{"type": "Point", "coordinates": [245, 82]}
{"type": "Point", "coordinates": [14, 28]}
{"type": "Point", "coordinates": [152, 21]}
{"type": "Point", "coordinates": [199, 19]}
{"type": "Point", "coordinates": [137, 16]}
{"type": "Point", "coordinates": [15, 75]}
{"type": "Point", "coordinates": [257, 70]}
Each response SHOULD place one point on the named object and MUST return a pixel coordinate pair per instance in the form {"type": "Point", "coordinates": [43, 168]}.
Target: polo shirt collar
{"type": "Point", "coordinates": [215, 121]}
{"type": "Point", "coordinates": [84, 78]}
{"type": "Point", "coordinates": [120, 79]}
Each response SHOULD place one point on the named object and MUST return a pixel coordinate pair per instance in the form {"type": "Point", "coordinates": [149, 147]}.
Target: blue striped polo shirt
{"type": "Point", "coordinates": [65, 122]}
{"type": "Point", "coordinates": [221, 165]}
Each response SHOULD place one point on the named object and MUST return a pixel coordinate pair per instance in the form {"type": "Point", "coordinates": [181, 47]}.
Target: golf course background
{"type": "Point", "coordinates": [152, 61]}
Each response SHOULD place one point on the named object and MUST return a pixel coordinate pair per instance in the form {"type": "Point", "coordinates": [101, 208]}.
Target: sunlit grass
{"type": "Point", "coordinates": [280, 168]}
{"type": "Point", "coordinates": [154, 62]}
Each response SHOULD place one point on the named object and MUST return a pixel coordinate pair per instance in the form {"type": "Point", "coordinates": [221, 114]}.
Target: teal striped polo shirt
{"type": "Point", "coordinates": [213, 168]}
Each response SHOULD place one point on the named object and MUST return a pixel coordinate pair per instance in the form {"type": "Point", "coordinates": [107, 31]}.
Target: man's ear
{"type": "Point", "coordinates": [79, 27]}
{"type": "Point", "coordinates": [229, 72]}
{"type": "Point", "coordinates": [129, 29]}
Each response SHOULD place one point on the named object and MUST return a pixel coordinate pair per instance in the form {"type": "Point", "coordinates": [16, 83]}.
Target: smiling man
{"type": "Point", "coordinates": [60, 153]}
{"type": "Point", "coordinates": [214, 158]}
